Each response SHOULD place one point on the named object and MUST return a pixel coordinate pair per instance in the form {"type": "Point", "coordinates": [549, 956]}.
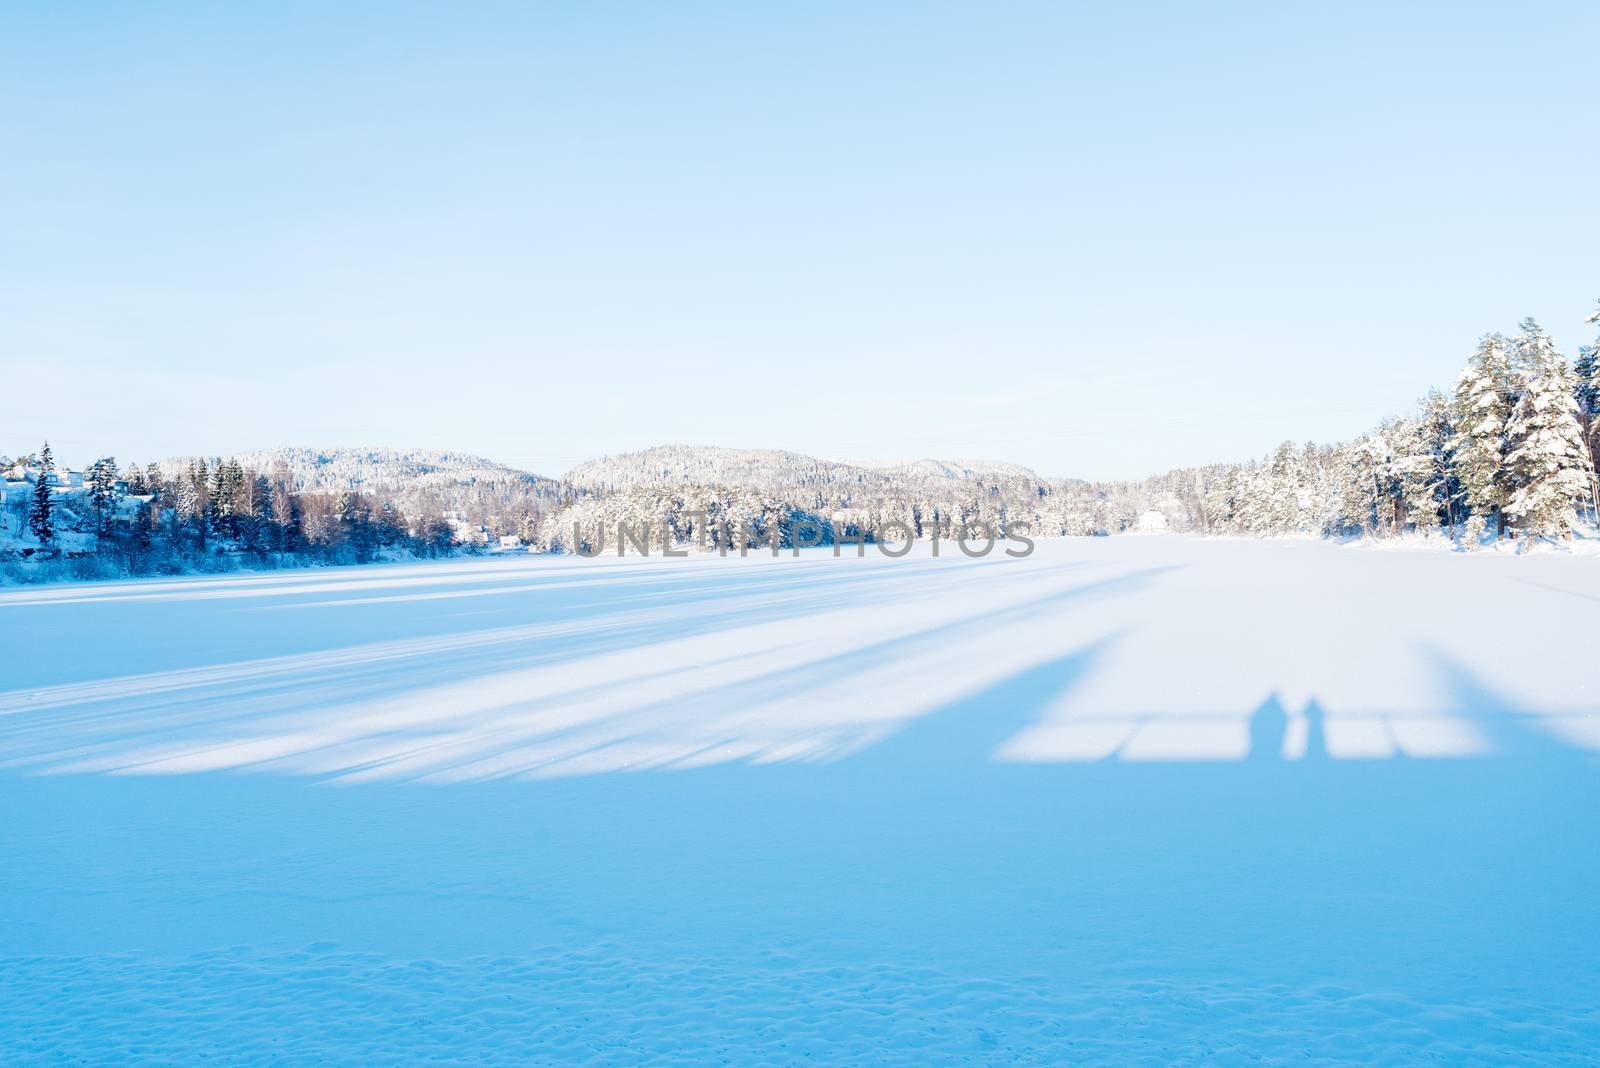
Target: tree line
{"type": "Point", "coordinates": [1510, 452]}
{"type": "Point", "coordinates": [146, 519]}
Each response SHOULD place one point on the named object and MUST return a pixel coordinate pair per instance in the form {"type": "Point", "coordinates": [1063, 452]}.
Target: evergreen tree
{"type": "Point", "coordinates": [1284, 491]}
{"type": "Point", "coordinates": [187, 502]}
{"type": "Point", "coordinates": [102, 488]}
{"type": "Point", "coordinates": [1482, 409]}
{"type": "Point", "coordinates": [144, 529]}
{"type": "Point", "coordinates": [1548, 463]}
{"type": "Point", "coordinates": [1410, 477]}
{"type": "Point", "coordinates": [200, 479]}
{"type": "Point", "coordinates": [41, 516]}
{"type": "Point", "coordinates": [1361, 473]}
{"type": "Point", "coordinates": [218, 507]}
{"type": "Point", "coordinates": [134, 476]}
{"type": "Point", "coordinates": [1586, 391]}
{"type": "Point", "coordinates": [1586, 384]}
{"type": "Point", "coordinates": [391, 527]}
{"type": "Point", "coordinates": [257, 515]}
{"type": "Point", "coordinates": [1436, 440]}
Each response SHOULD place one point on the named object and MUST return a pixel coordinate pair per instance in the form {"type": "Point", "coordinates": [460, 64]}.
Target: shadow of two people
{"type": "Point", "coordinates": [1269, 732]}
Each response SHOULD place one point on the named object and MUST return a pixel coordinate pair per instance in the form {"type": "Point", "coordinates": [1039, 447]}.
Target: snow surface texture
{"type": "Point", "coordinates": [1154, 800]}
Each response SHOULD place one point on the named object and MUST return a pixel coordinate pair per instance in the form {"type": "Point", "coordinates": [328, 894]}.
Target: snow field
{"type": "Point", "coordinates": [1154, 800]}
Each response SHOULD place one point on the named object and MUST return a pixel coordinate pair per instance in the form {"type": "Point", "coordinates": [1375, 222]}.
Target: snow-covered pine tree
{"type": "Point", "coordinates": [1586, 368]}
{"type": "Point", "coordinates": [1586, 391]}
{"type": "Point", "coordinates": [1359, 472]}
{"type": "Point", "coordinates": [261, 515]}
{"type": "Point", "coordinates": [102, 487]}
{"type": "Point", "coordinates": [40, 516]}
{"type": "Point", "coordinates": [133, 475]}
{"type": "Point", "coordinates": [187, 504]}
{"type": "Point", "coordinates": [1287, 495]}
{"type": "Point", "coordinates": [200, 479]}
{"type": "Point", "coordinates": [1548, 462]}
{"type": "Point", "coordinates": [1482, 408]}
{"type": "Point", "coordinates": [189, 494]}
{"type": "Point", "coordinates": [1408, 477]}
{"type": "Point", "coordinates": [1436, 434]}
{"type": "Point", "coordinates": [219, 502]}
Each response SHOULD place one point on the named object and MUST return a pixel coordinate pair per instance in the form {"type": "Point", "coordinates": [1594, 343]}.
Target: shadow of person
{"type": "Point", "coordinates": [1269, 724]}
{"type": "Point", "coordinates": [1316, 739]}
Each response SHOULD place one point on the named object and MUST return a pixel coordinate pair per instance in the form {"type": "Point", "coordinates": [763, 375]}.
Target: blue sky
{"type": "Point", "coordinates": [1099, 240]}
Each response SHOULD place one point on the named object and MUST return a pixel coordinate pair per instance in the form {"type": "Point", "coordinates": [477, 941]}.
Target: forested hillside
{"type": "Point", "coordinates": [1509, 452]}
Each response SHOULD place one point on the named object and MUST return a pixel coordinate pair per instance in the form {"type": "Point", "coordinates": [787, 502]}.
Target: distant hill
{"type": "Point", "coordinates": [774, 470]}
{"type": "Point", "coordinates": [959, 470]}
{"type": "Point", "coordinates": [379, 471]}
{"type": "Point", "coordinates": [478, 494]}
{"type": "Point", "coordinates": [675, 483]}
{"type": "Point", "coordinates": [421, 482]}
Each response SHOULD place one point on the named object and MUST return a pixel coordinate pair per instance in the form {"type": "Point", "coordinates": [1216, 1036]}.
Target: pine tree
{"type": "Point", "coordinates": [256, 512]}
{"type": "Point", "coordinates": [1436, 439]}
{"type": "Point", "coordinates": [1548, 463]}
{"type": "Point", "coordinates": [133, 475]}
{"type": "Point", "coordinates": [1360, 474]}
{"type": "Point", "coordinates": [1285, 496]}
{"type": "Point", "coordinates": [1586, 388]}
{"type": "Point", "coordinates": [187, 503]}
{"type": "Point", "coordinates": [102, 486]}
{"type": "Point", "coordinates": [1586, 391]}
{"type": "Point", "coordinates": [40, 517]}
{"type": "Point", "coordinates": [145, 521]}
{"type": "Point", "coordinates": [1411, 477]}
{"type": "Point", "coordinates": [1482, 408]}
{"type": "Point", "coordinates": [218, 505]}
{"type": "Point", "coordinates": [190, 499]}
{"type": "Point", "coordinates": [200, 478]}
{"type": "Point", "coordinates": [391, 527]}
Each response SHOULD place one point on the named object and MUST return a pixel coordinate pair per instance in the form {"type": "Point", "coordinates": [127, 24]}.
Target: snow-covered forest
{"type": "Point", "coordinates": [263, 509]}
{"type": "Point", "coordinates": [1510, 452]}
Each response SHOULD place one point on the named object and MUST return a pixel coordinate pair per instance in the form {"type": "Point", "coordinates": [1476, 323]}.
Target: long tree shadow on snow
{"type": "Point", "coordinates": [234, 723]}
{"type": "Point", "coordinates": [963, 735]}
{"type": "Point", "coordinates": [1512, 731]}
{"type": "Point", "coordinates": [963, 732]}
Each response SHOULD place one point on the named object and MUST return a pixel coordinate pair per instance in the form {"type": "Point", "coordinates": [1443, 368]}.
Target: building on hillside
{"type": "Point", "coordinates": [12, 491]}
{"type": "Point", "coordinates": [60, 481]}
{"type": "Point", "coordinates": [1151, 522]}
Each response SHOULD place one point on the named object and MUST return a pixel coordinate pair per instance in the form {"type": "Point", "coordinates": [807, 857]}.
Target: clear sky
{"type": "Point", "coordinates": [1101, 240]}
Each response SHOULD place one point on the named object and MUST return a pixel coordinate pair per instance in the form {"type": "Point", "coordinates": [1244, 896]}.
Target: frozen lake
{"type": "Point", "coordinates": [1126, 800]}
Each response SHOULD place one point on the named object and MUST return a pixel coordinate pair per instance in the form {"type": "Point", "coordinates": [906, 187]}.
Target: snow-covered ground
{"type": "Point", "coordinates": [1134, 800]}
